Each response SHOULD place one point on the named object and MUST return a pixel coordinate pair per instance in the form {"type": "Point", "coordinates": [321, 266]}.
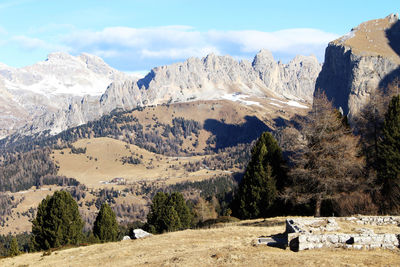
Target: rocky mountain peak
{"type": "Point", "coordinates": [299, 59]}
{"type": "Point", "coordinates": [394, 17]}
{"type": "Point", "coordinates": [48, 86]}
{"type": "Point", "coordinates": [263, 57]}
{"type": "Point", "coordinates": [59, 56]}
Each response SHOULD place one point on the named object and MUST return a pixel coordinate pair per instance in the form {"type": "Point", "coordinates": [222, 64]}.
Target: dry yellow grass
{"type": "Point", "coordinates": [230, 245]}
{"type": "Point", "coordinates": [370, 38]}
{"type": "Point", "coordinates": [109, 152]}
{"type": "Point", "coordinates": [108, 165]}
{"type": "Point", "coordinates": [30, 199]}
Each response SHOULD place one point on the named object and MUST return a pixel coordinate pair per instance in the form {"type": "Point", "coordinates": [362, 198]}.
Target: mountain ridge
{"type": "Point", "coordinates": [45, 87]}
{"type": "Point", "coordinates": [209, 78]}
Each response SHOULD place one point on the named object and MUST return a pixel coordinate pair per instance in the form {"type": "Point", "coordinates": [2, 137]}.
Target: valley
{"type": "Point", "coordinates": [192, 147]}
{"type": "Point", "coordinates": [153, 147]}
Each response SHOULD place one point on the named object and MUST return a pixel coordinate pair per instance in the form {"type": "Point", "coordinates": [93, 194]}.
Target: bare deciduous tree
{"type": "Point", "coordinates": [327, 162]}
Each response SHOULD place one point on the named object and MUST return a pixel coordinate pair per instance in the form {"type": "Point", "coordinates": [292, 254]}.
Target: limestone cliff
{"type": "Point", "coordinates": [360, 62]}
{"type": "Point", "coordinates": [208, 78]}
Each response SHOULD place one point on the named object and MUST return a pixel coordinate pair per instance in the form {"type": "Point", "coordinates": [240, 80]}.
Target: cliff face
{"type": "Point", "coordinates": [359, 63]}
{"type": "Point", "coordinates": [209, 78]}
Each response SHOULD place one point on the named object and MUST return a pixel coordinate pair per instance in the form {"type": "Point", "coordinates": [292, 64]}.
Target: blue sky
{"type": "Point", "coordinates": [136, 35]}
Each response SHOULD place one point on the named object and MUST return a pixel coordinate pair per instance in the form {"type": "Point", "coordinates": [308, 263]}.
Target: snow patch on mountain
{"type": "Point", "coordinates": [237, 97]}
{"type": "Point", "coordinates": [62, 73]}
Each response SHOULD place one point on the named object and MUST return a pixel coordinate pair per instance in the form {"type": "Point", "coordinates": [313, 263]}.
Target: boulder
{"type": "Point", "coordinates": [139, 233]}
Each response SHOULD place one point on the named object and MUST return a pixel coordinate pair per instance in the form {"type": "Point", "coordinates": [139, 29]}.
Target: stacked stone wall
{"type": "Point", "coordinates": [305, 233]}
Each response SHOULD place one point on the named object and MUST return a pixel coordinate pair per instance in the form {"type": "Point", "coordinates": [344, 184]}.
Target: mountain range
{"type": "Point", "coordinates": [66, 91]}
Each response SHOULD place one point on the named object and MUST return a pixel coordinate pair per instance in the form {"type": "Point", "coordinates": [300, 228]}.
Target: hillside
{"type": "Point", "coordinates": [227, 245]}
{"type": "Point", "coordinates": [148, 148]}
{"type": "Point", "coordinates": [371, 38]}
{"type": "Point", "coordinates": [18, 220]}
{"type": "Point", "coordinates": [104, 161]}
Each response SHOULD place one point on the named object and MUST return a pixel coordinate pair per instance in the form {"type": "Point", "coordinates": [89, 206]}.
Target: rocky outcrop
{"type": "Point", "coordinates": [360, 62]}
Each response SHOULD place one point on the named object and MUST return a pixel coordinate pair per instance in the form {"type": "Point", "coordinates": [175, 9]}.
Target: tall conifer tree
{"type": "Point", "coordinates": [14, 249]}
{"type": "Point", "coordinates": [106, 227]}
{"type": "Point", "coordinates": [264, 176]}
{"type": "Point", "coordinates": [327, 163]}
{"type": "Point", "coordinates": [57, 222]}
{"type": "Point", "coordinates": [389, 157]}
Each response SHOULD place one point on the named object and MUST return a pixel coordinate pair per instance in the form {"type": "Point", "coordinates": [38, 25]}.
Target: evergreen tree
{"type": "Point", "coordinates": [105, 226]}
{"type": "Point", "coordinates": [264, 176]}
{"type": "Point", "coordinates": [183, 211]}
{"type": "Point", "coordinates": [369, 123]}
{"type": "Point", "coordinates": [14, 250]}
{"type": "Point", "coordinates": [57, 222]}
{"type": "Point", "coordinates": [389, 157]}
{"type": "Point", "coordinates": [154, 217]}
{"type": "Point", "coordinates": [168, 213]}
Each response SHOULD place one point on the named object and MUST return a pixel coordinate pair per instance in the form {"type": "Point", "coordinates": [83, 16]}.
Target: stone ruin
{"type": "Point", "coordinates": [314, 233]}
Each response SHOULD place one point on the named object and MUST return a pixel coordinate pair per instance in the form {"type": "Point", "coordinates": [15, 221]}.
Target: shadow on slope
{"type": "Point", "coordinates": [228, 135]}
{"type": "Point", "coordinates": [335, 76]}
{"type": "Point", "coordinates": [393, 36]}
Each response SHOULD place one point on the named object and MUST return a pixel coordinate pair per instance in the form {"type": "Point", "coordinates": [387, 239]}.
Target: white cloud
{"type": "Point", "coordinates": [29, 43]}
{"type": "Point", "coordinates": [143, 48]}
{"type": "Point", "coordinates": [279, 41]}
{"type": "Point", "coordinates": [180, 42]}
{"type": "Point", "coordinates": [179, 53]}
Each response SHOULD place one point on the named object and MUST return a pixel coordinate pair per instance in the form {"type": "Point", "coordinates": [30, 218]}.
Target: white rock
{"type": "Point", "coordinates": [139, 233]}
